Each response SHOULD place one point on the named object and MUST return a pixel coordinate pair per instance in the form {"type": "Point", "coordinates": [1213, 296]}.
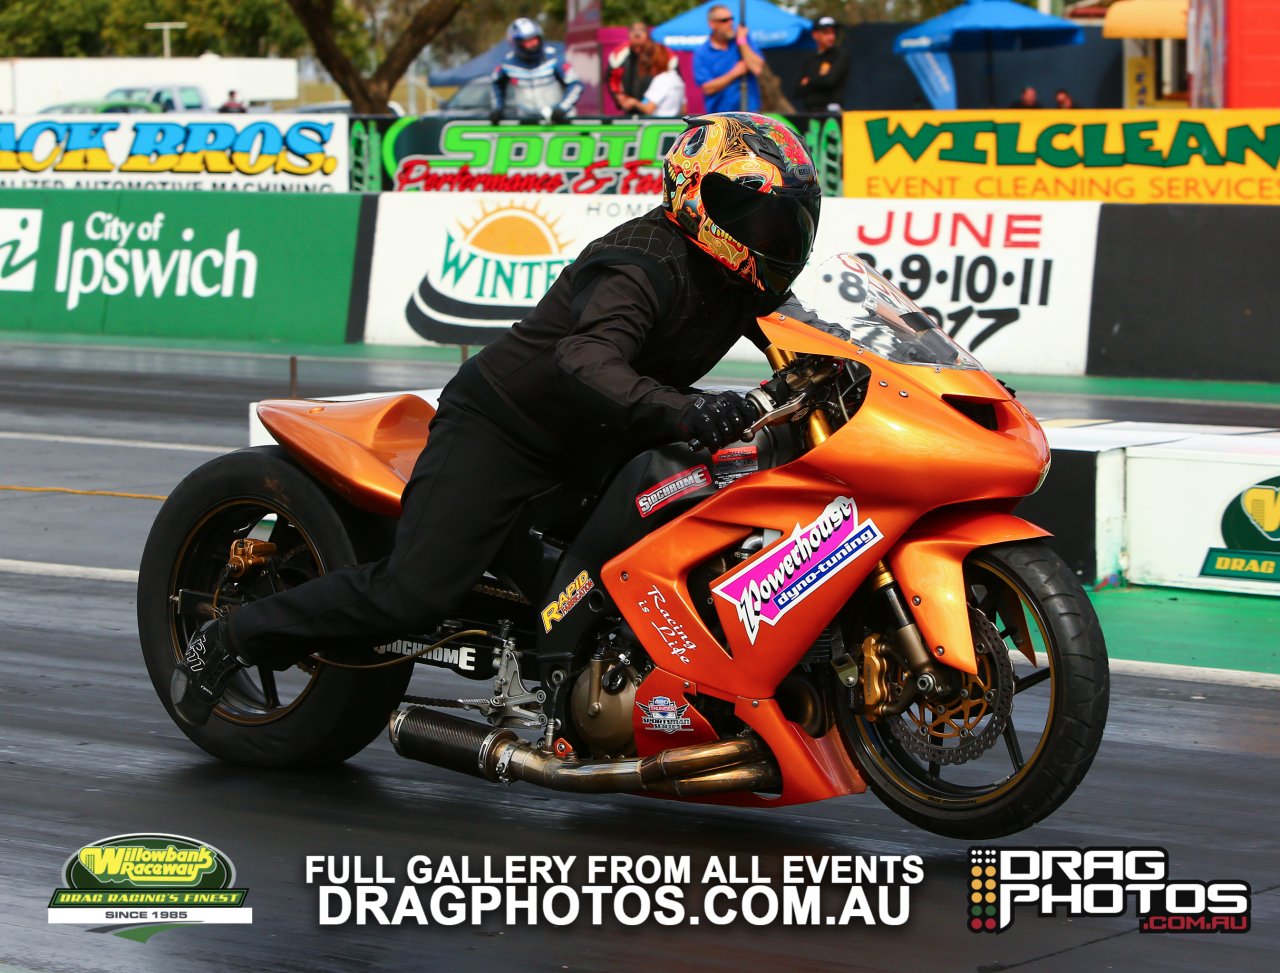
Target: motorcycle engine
{"type": "Point", "coordinates": [601, 706]}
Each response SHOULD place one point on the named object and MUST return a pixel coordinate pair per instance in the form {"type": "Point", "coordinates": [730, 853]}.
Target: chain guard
{"type": "Point", "coordinates": [926, 729]}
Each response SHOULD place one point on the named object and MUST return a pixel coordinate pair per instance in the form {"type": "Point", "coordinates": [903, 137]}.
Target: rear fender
{"type": "Point", "coordinates": [928, 564]}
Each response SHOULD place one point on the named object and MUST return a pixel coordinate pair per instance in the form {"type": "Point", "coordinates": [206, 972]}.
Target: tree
{"type": "Point", "coordinates": [397, 32]}
{"type": "Point", "coordinates": [51, 28]}
{"type": "Point", "coordinates": [232, 28]}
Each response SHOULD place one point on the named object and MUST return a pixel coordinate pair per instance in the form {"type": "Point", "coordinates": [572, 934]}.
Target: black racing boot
{"type": "Point", "coordinates": [203, 673]}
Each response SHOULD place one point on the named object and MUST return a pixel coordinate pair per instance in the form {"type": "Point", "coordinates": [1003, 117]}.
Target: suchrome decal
{"type": "Point", "coordinates": [672, 488]}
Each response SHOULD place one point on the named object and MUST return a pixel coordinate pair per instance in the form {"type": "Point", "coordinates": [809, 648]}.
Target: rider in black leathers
{"type": "Point", "coordinates": [595, 370]}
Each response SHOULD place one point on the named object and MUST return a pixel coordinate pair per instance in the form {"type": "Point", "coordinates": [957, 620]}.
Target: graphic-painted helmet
{"type": "Point", "coordinates": [524, 29]}
{"type": "Point", "coordinates": [743, 188]}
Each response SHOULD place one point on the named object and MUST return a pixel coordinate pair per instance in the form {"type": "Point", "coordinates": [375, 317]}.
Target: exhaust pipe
{"type": "Point", "coordinates": [497, 754]}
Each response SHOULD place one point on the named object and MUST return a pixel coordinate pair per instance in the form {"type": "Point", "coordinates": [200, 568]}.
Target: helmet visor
{"type": "Point", "coordinates": [777, 225]}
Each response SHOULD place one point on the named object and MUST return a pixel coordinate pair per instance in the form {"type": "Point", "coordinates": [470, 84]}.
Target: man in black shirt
{"type": "Point", "coordinates": [597, 370]}
{"type": "Point", "coordinates": [823, 73]}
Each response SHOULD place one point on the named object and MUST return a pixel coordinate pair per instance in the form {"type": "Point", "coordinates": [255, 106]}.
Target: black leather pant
{"type": "Point", "coordinates": [466, 489]}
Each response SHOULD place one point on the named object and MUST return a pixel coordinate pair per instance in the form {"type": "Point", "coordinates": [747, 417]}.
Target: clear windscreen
{"type": "Point", "coordinates": [844, 297]}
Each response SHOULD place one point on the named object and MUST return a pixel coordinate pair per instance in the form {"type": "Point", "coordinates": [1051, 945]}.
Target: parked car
{"type": "Point", "coordinates": [102, 107]}
{"type": "Point", "coordinates": [170, 97]}
{"type": "Point", "coordinates": [475, 98]}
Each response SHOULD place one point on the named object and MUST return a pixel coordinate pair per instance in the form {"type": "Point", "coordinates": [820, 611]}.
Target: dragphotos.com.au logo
{"type": "Point", "coordinates": [1099, 882]}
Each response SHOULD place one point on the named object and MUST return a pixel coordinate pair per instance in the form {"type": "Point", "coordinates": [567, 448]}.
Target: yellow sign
{"type": "Point", "coordinates": [1157, 156]}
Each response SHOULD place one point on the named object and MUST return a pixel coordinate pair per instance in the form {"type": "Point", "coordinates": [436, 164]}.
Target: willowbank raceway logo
{"type": "Point", "coordinates": [1099, 882]}
{"type": "Point", "coordinates": [492, 270]}
{"type": "Point", "coordinates": [1251, 533]}
{"type": "Point", "coordinates": [137, 885]}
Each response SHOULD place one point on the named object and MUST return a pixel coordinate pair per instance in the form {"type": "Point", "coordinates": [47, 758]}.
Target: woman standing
{"type": "Point", "coordinates": [665, 96]}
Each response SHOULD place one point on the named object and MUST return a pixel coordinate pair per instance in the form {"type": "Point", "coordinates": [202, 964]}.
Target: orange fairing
{"type": "Point", "coordinates": [928, 564]}
{"type": "Point", "coordinates": [362, 450]}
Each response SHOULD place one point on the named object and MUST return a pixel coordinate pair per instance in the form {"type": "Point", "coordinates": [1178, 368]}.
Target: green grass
{"type": "Point", "coordinates": [1191, 628]}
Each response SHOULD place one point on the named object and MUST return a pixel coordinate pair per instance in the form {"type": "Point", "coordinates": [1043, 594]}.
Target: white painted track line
{"type": "Point", "coordinates": [38, 437]}
{"type": "Point", "coordinates": [49, 570]}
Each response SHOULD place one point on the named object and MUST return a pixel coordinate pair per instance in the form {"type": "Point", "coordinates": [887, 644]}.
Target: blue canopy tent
{"type": "Point", "coordinates": [769, 26]}
{"type": "Point", "coordinates": [479, 66]}
{"type": "Point", "coordinates": [977, 25]}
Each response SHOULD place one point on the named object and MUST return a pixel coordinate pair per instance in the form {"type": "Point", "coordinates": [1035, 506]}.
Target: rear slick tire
{"type": "Point", "coordinates": [311, 715]}
{"type": "Point", "coordinates": [1024, 774]}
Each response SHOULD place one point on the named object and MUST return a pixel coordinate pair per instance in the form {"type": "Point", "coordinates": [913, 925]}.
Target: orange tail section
{"type": "Point", "coordinates": [362, 450]}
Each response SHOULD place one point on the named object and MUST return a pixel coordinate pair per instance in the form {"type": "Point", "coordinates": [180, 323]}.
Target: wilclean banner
{"type": "Point", "coordinates": [1156, 156]}
{"type": "Point", "coordinates": [274, 153]}
{"type": "Point", "coordinates": [174, 264]}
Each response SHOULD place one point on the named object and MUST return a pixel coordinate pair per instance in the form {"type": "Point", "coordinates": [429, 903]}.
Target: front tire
{"type": "Point", "coordinates": [310, 715]}
{"type": "Point", "coordinates": [989, 769]}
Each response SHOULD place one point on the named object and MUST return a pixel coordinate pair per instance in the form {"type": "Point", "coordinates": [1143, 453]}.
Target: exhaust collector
{"type": "Point", "coordinates": [496, 754]}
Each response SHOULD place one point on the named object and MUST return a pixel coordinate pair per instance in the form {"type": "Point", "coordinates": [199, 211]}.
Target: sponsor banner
{"type": "Point", "coordinates": [478, 263]}
{"type": "Point", "coordinates": [1223, 492]}
{"type": "Point", "coordinates": [1132, 156]}
{"type": "Point", "coordinates": [169, 264]}
{"type": "Point", "coordinates": [275, 153]}
{"type": "Point", "coordinates": [1009, 281]}
{"type": "Point", "coordinates": [589, 156]}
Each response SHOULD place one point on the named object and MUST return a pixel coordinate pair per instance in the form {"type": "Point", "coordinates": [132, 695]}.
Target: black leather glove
{"type": "Point", "coordinates": [559, 116]}
{"type": "Point", "coordinates": [714, 419]}
{"type": "Point", "coordinates": [495, 116]}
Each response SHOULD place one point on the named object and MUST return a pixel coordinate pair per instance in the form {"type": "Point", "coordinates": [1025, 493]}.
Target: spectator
{"type": "Point", "coordinates": [1028, 99]}
{"type": "Point", "coordinates": [665, 96]}
{"type": "Point", "coordinates": [822, 73]}
{"type": "Point", "coordinates": [1062, 98]}
{"type": "Point", "coordinates": [629, 70]}
{"type": "Point", "coordinates": [720, 63]}
{"type": "Point", "coordinates": [232, 104]}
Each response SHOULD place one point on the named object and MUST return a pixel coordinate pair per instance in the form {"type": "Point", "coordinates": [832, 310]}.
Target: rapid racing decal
{"type": "Point", "coordinates": [770, 586]}
{"type": "Point", "coordinates": [575, 591]}
{"type": "Point", "coordinates": [665, 715]}
{"type": "Point", "coordinates": [673, 488]}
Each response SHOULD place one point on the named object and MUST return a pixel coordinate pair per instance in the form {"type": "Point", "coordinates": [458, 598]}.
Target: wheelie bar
{"type": "Point", "coordinates": [497, 754]}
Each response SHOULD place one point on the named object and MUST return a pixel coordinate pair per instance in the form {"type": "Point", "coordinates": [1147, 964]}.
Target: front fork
{"type": "Point", "coordinates": [925, 678]}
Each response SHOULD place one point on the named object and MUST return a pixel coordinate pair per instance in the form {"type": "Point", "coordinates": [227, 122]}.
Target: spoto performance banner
{"type": "Point", "coordinates": [586, 156]}
{"type": "Point", "coordinates": [275, 153]}
{"type": "Point", "coordinates": [1150, 156]}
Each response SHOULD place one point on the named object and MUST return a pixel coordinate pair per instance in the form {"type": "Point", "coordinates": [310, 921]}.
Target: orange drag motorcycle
{"type": "Point", "coordinates": [843, 600]}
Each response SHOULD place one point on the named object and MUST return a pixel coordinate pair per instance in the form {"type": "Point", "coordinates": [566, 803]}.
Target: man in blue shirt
{"type": "Point", "coordinates": [721, 63]}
